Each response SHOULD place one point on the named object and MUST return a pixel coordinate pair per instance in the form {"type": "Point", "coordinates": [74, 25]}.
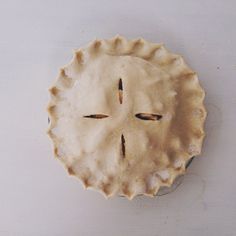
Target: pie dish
{"type": "Point", "coordinates": [126, 116]}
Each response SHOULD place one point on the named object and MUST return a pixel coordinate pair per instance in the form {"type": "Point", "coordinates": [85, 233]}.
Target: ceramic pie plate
{"type": "Point", "coordinates": [126, 116]}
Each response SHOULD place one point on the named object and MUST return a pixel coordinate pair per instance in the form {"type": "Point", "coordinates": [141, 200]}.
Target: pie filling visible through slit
{"type": "Point", "coordinates": [126, 116]}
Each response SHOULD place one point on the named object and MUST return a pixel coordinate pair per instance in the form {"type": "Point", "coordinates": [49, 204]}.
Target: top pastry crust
{"type": "Point", "coordinates": [126, 116]}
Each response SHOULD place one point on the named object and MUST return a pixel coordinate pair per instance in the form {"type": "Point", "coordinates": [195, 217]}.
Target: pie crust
{"type": "Point", "coordinates": [126, 116]}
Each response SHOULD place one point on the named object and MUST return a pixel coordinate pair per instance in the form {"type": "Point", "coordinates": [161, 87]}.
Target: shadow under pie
{"type": "Point", "coordinates": [166, 190]}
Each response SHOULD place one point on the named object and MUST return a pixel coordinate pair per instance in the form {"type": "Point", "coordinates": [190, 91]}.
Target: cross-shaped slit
{"type": "Point", "coordinates": [142, 116]}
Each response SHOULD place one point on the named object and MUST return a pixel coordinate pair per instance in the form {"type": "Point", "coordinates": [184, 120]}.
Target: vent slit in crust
{"type": "Point", "coordinates": [120, 88]}
{"type": "Point", "coordinates": [123, 145]}
{"type": "Point", "coordinates": [96, 116]}
{"type": "Point", "coordinates": [148, 116]}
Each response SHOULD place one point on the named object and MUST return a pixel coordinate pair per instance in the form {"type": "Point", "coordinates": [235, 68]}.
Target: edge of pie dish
{"type": "Point", "coordinates": [189, 94]}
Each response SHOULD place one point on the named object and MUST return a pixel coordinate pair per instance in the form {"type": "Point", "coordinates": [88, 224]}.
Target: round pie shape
{"type": "Point", "coordinates": [126, 116]}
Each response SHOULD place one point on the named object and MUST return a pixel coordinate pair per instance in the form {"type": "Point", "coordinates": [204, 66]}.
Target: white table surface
{"type": "Point", "coordinates": [36, 195]}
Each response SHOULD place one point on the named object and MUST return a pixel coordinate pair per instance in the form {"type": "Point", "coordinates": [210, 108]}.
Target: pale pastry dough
{"type": "Point", "coordinates": [126, 116]}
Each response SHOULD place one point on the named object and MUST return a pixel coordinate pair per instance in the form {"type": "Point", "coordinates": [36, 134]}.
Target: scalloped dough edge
{"type": "Point", "coordinates": [139, 47]}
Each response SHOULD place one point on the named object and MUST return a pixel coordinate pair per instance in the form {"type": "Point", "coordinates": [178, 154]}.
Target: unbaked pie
{"type": "Point", "coordinates": [126, 116]}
